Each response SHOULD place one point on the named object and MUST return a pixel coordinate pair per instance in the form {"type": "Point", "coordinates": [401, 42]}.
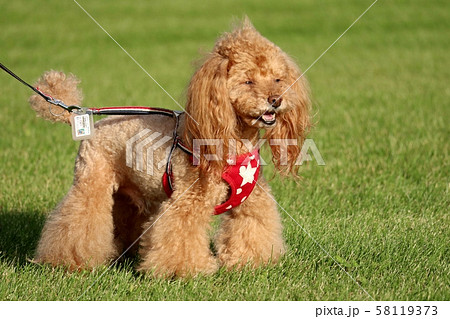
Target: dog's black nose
{"type": "Point", "coordinates": [275, 100]}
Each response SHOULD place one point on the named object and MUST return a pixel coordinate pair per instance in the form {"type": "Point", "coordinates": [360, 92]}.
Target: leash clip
{"type": "Point", "coordinates": [50, 99]}
{"type": "Point", "coordinates": [80, 110]}
{"type": "Point", "coordinates": [69, 108]}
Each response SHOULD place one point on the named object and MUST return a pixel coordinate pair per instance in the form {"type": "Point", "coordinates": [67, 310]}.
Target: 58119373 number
{"type": "Point", "coordinates": [406, 310]}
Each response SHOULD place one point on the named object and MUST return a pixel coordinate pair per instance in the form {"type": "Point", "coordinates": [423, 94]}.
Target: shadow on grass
{"type": "Point", "coordinates": [19, 234]}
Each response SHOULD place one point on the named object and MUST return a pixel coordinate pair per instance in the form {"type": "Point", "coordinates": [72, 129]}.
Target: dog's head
{"type": "Point", "coordinates": [247, 83]}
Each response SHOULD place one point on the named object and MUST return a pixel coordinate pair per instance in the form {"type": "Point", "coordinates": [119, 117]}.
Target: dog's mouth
{"type": "Point", "coordinates": [268, 118]}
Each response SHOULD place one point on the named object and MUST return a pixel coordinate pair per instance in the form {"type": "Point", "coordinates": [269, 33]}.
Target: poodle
{"type": "Point", "coordinates": [247, 88]}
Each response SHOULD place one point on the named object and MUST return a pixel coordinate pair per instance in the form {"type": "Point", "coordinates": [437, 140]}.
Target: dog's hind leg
{"type": "Point", "coordinates": [252, 232]}
{"type": "Point", "coordinates": [129, 218]}
{"type": "Point", "coordinates": [79, 233]}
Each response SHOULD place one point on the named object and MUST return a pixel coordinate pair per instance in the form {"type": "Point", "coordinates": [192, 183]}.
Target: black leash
{"type": "Point", "coordinates": [46, 97]}
{"type": "Point", "coordinates": [120, 110]}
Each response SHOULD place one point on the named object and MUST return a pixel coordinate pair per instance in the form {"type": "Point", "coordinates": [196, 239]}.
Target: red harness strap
{"type": "Point", "coordinates": [132, 110]}
{"type": "Point", "coordinates": [241, 176]}
{"type": "Point", "coordinates": [167, 183]}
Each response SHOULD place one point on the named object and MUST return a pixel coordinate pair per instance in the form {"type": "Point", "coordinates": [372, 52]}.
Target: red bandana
{"type": "Point", "coordinates": [241, 176]}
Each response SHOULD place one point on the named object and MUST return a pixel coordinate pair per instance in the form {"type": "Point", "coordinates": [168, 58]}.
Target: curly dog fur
{"type": "Point", "coordinates": [110, 205]}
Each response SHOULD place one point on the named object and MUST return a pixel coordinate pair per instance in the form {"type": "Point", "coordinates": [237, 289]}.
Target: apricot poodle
{"type": "Point", "coordinates": [238, 95]}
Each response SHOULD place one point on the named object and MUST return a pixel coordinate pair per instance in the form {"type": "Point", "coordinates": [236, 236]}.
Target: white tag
{"type": "Point", "coordinates": [82, 126]}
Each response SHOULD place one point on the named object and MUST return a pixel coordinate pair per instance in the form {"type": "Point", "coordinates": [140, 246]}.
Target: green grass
{"type": "Point", "coordinates": [379, 206]}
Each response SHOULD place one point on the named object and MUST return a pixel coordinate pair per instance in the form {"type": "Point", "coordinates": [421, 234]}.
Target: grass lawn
{"type": "Point", "coordinates": [379, 206]}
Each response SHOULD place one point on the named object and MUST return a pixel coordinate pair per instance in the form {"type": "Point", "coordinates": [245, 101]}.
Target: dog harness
{"type": "Point", "coordinates": [241, 174]}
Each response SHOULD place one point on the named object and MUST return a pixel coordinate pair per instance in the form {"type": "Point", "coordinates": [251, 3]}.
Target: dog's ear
{"type": "Point", "coordinates": [292, 125]}
{"type": "Point", "coordinates": [210, 114]}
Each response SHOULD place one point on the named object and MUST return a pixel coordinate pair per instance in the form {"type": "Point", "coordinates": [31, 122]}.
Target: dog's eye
{"type": "Point", "coordinates": [277, 80]}
{"type": "Point", "coordinates": [248, 82]}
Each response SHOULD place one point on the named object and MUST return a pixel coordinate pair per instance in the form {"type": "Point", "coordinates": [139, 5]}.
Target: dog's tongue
{"type": "Point", "coordinates": [268, 117]}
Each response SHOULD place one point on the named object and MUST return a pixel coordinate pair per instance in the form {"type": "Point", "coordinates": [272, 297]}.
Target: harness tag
{"type": "Point", "coordinates": [82, 125]}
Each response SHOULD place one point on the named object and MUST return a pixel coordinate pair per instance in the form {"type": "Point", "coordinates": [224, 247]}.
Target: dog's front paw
{"type": "Point", "coordinates": [238, 258]}
{"type": "Point", "coordinates": [167, 264]}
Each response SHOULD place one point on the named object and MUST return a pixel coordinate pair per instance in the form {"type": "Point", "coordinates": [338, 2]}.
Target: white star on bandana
{"type": "Point", "coordinates": [247, 173]}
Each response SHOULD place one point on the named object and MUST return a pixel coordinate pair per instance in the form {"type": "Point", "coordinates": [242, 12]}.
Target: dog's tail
{"type": "Point", "coordinates": [61, 87]}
